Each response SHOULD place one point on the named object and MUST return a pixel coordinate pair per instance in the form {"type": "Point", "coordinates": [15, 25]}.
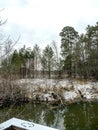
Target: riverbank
{"type": "Point", "coordinates": [59, 91]}
{"type": "Point", "coordinates": [52, 91]}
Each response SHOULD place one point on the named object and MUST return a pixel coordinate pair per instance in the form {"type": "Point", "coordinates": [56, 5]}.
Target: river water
{"type": "Point", "coordinates": [79, 116]}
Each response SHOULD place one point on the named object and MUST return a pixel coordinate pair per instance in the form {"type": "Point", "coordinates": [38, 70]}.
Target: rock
{"type": "Point", "coordinates": [95, 88]}
{"type": "Point", "coordinates": [70, 87]}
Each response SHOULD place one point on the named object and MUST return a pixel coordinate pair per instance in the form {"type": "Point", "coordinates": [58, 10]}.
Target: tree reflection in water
{"type": "Point", "coordinates": [80, 116]}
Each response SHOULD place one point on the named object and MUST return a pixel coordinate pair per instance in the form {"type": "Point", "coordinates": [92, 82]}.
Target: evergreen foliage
{"type": "Point", "coordinates": [78, 56]}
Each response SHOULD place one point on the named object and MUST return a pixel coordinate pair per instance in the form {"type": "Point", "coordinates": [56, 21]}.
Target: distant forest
{"type": "Point", "coordinates": [78, 57]}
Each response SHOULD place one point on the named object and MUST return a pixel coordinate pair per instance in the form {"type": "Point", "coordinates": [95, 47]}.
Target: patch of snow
{"type": "Point", "coordinates": [69, 90]}
{"type": "Point", "coordinates": [70, 95]}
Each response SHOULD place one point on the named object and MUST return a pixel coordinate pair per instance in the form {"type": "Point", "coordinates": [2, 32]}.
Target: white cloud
{"type": "Point", "coordinates": [42, 20]}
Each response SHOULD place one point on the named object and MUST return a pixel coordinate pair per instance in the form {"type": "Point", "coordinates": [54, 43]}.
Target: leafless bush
{"type": "Point", "coordinates": [10, 93]}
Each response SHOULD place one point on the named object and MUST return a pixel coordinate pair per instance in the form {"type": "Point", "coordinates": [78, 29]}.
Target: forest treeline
{"type": "Point", "coordinates": [78, 57]}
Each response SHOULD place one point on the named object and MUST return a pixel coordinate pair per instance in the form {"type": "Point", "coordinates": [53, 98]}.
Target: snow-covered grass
{"type": "Point", "coordinates": [50, 90]}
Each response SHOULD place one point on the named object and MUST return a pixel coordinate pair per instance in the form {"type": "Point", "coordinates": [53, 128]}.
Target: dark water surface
{"type": "Point", "coordinates": [81, 116]}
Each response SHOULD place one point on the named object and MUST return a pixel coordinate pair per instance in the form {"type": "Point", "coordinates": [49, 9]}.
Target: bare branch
{"type": "Point", "coordinates": [3, 22]}
{"type": "Point", "coordinates": [15, 42]}
{"type": "Point", "coordinates": [2, 9]}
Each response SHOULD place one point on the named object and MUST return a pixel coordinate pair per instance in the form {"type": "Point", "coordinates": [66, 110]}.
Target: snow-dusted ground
{"type": "Point", "coordinates": [63, 91]}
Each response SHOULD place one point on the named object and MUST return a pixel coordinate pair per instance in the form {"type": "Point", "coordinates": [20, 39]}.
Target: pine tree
{"type": "Point", "coordinates": [69, 38]}
{"type": "Point", "coordinates": [48, 59]}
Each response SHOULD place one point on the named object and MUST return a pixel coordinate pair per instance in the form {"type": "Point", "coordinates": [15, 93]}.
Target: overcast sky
{"type": "Point", "coordinates": [40, 21]}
